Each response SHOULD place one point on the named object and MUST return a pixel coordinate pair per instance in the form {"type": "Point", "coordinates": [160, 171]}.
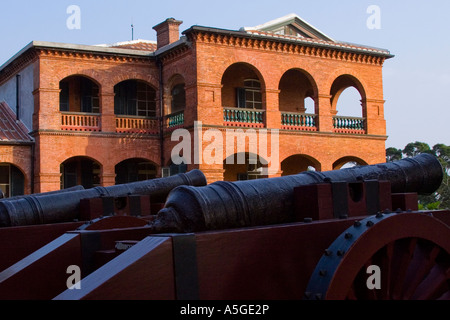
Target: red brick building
{"type": "Point", "coordinates": [101, 115]}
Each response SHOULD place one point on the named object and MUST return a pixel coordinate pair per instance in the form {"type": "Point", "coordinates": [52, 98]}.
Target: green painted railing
{"type": "Point", "coordinates": [349, 123]}
{"type": "Point", "coordinates": [298, 119]}
{"type": "Point", "coordinates": [243, 115]}
{"type": "Point", "coordinates": [175, 119]}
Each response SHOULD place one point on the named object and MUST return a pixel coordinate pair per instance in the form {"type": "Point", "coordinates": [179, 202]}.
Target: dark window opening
{"type": "Point", "coordinates": [134, 98]}
{"type": "Point", "coordinates": [80, 171]}
{"type": "Point", "coordinates": [178, 98]}
{"type": "Point", "coordinates": [250, 95]}
{"type": "Point", "coordinates": [12, 181]}
{"type": "Point", "coordinates": [79, 94]}
{"type": "Point", "coordinates": [134, 170]}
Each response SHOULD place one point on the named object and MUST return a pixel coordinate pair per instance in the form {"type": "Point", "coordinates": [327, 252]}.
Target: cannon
{"type": "Point", "coordinates": [222, 204]}
{"type": "Point", "coordinates": [64, 206]}
{"type": "Point", "coordinates": [284, 238]}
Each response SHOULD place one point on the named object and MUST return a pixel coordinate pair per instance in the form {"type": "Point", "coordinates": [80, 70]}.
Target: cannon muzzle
{"type": "Point", "coordinates": [222, 205]}
{"type": "Point", "coordinates": [65, 206]}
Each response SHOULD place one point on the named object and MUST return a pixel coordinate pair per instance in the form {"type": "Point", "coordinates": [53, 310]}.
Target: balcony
{"type": "Point", "coordinates": [352, 125]}
{"type": "Point", "coordinates": [175, 120]}
{"type": "Point", "coordinates": [130, 124]}
{"type": "Point", "coordinates": [240, 117]}
{"type": "Point", "coordinates": [80, 121]}
{"type": "Point", "coordinates": [298, 121]}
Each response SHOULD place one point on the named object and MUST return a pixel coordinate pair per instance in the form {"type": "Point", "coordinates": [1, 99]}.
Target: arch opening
{"type": "Point", "coordinates": [298, 163]}
{"type": "Point", "coordinates": [244, 166]}
{"type": "Point", "coordinates": [242, 87]}
{"type": "Point", "coordinates": [80, 171]}
{"type": "Point", "coordinates": [79, 94]}
{"type": "Point", "coordinates": [348, 162]}
{"type": "Point", "coordinates": [298, 92]}
{"type": "Point", "coordinates": [348, 97]}
{"type": "Point", "coordinates": [12, 180]}
{"type": "Point", "coordinates": [136, 169]}
{"type": "Point", "coordinates": [134, 98]}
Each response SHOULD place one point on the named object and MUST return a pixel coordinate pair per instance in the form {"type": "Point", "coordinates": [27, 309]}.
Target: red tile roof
{"type": "Point", "coordinates": [11, 129]}
{"type": "Point", "coordinates": [339, 44]}
{"type": "Point", "coordinates": [134, 45]}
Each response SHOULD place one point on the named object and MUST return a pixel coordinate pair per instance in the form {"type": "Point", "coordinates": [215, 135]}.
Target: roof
{"type": "Point", "coordinates": [140, 44]}
{"type": "Point", "coordinates": [295, 25]}
{"type": "Point", "coordinates": [101, 49]}
{"type": "Point", "coordinates": [12, 130]}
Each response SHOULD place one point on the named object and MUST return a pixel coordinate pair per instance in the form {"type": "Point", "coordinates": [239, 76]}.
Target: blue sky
{"type": "Point", "coordinates": [416, 81]}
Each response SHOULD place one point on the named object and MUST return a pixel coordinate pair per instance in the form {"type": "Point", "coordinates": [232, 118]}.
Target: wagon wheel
{"type": "Point", "coordinates": [412, 251]}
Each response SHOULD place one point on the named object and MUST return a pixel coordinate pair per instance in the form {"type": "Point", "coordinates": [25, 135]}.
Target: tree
{"type": "Point", "coordinates": [441, 198]}
{"type": "Point", "coordinates": [393, 154]}
{"type": "Point", "coordinates": [413, 149]}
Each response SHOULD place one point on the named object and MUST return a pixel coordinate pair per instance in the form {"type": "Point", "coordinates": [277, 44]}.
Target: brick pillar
{"type": "Point", "coordinates": [374, 114]}
{"type": "Point", "coordinates": [209, 107]}
{"type": "Point", "coordinates": [46, 109]}
{"type": "Point", "coordinates": [108, 173]}
{"type": "Point", "coordinates": [108, 118]}
{"type": "Point", "coordinates": [273, 114]}
{"type": "Point", "coordinates": [325, 114]}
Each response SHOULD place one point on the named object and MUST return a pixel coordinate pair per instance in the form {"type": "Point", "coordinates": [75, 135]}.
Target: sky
{"type": "Point", "coordinates": [416, 81]}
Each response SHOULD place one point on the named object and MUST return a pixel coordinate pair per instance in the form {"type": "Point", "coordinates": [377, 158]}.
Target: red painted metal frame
{"type": "Point", "coordinates": [270, 262]}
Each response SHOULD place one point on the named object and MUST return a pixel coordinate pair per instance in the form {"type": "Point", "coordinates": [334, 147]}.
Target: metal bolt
{"type": "Point", "coordinates": [328, 252]}
{"type": "Point", "coordinates": [379, 215]}
{"type": "Point", "coordinates": [340, 253]}
{"type": "Point", "coordinates": [348, 235]}
{"type": "Point", "coordinates": [357, 224]}
{"type": "Point", "coordinates": [369, 223]}
{"type": "Point", "coordinates": [322, 273]}
{"type": "Point", "coordinates": [318, 296]}
{"type": "Point", "coordinates": [307, 220]}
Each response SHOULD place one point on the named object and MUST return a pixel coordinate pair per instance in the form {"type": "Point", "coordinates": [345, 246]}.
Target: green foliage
{"type": "Point", "coordinates": [441, 198]}
{"type": "Point", "coordinates": [393, 154]}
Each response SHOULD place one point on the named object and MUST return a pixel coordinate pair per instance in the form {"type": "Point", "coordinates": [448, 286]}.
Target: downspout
{"type": "Point", "coordinates": [33, 157]}
{"type": "Point", "coordinates": [18, 97]}
{"type": "Point", "coordinates": [161, 114]}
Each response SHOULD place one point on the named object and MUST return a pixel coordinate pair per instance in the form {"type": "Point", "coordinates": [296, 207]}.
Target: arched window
{"type": "Point", "coordinates": [178, 95]}
{"type": "Point", "coordinates": [242, 87]}
{"type": "Point", "coordinates": [134, 98]}
{"type": "Point", "coordinates": [12, 180]}
{"type": "Point", "coordinates": [80, 171]}
{"type": "Point", "coordinates": [132, 170]}
{"type": "Point", "coordinates": [78, 94]}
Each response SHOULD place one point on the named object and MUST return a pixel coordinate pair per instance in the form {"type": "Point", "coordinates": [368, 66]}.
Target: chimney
{"type": "Point", "coordinates": [167, 32]}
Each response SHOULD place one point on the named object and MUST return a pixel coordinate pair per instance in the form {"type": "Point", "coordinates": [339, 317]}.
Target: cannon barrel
{"type": "Point", "coordinates": [222, 205]}
{"type": "Point", "coordinates": [75, 188]}
{"type": "Point", "coordinates": [65, 206]}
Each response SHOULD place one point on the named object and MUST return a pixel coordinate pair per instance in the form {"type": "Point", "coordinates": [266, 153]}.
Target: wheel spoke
{"type": "Point", "coordinates": [434, 285]}
{"type": "Point", "coordinates": [402, 256]}
{"type": "Point", "coordinates": [421, 264]}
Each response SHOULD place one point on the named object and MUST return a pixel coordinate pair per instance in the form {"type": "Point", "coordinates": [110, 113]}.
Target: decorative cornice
{"type": "Point", "coordinates": [103, 57]}
{"type": "Point", "coordinates": [17, 65]}
{"type": "Point", "coordinates": [276, 45]}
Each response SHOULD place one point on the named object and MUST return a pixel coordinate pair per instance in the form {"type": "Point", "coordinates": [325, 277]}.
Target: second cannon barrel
{"type": "Point", "coordinates": [64, 206]}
